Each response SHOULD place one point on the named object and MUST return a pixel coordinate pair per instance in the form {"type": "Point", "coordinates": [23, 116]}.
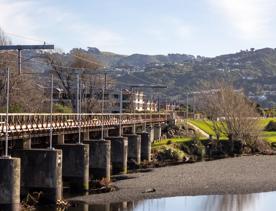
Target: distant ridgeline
{"type": "Point", "coordinates": [253, 70]}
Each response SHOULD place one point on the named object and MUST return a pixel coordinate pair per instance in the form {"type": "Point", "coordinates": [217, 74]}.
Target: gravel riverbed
{"type": "Point", "coordinates": [246, 174]}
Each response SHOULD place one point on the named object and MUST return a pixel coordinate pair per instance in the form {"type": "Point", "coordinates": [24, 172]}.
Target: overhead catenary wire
{"type": "Point", "coordinates": [77, 56]}
{"type": "Point", "coordinates": [43, 41]}
{"type": "Point", "coordinates": [102, 71]}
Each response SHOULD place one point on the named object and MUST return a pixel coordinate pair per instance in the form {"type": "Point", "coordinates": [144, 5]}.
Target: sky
{"type": "Point", "coordinates": [197, 27]}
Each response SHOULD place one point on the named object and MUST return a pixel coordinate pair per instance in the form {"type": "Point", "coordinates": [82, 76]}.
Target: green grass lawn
{"type": "Point", "coordinates": [269, 136]}
{"type": "Point", "coordinates": [205, 125]}
{"type": "Point", "coordinates": [264, 122]}
{"type": "Point", "coordinates": [173, 140]}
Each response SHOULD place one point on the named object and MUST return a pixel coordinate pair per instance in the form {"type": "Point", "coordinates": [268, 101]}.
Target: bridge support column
{"type": "Point", "coordinates": [41, 170]}
{"type": "Point", "coordinates": [60, 139]}
{"type": "Point", "coordinates": [157, 132]}
{"type": "Point", "coordinates": [134, 147]}
{"type": "Point", "coordinates": [86, 136]}
{"type": "Point", "coordinates": [133, 129]}
{"type": "Point", "coordinates": [75, 165]}
{"type": "Point", "coordinates": [105, 133]}
{"type": "Point", "coordinates": [150, 131]}
{"type": "Point", "coordinates": [27, 143]}
{"type": "Point", "coordinates": [99, 158]}
{"type": "Point", "coordinates": [119, 151]}
{"type": "Point", "coordinates": [145, 146]}
{"type": "Point", "coordinates": [9, 183]}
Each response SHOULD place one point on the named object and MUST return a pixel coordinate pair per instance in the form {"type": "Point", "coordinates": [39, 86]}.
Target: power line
{"type": "Point", "coordinates": [29, 38]}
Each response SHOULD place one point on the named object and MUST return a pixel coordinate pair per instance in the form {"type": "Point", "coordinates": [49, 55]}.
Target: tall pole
{"type": "Point", "coordinates": [102, 132]}
{"type": "Point", "coordinates": [134, 107]}
{"type": "Point", "coordinates": [19, 48]}
{"type": "Point", "coordinates": [51, 112]}
{"type": "Point", "coordinates": [193, 106]}
{"type": "Point", "coordinates": [78, 107]}
{"type": "Point", "coordinates": [19, 66]}
{"type": "Point", "coordinates": [187, 112]}
{"type": "Point", "coordinates": [151, 109]}
{"type": "Point", "coordinates": [121, 109]}
{"type": "Point", "coordinates": [7, 113]}
{"type": "Point", "coordinates": [104, 80]}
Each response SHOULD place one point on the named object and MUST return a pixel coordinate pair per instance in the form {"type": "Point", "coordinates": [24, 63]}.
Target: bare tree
{"type": "Point", "coordinates": [24, 95]}
{"type": "Point", "coordinates": [231, 114]}
{"type": "Point", "coordinates": [66, 67]}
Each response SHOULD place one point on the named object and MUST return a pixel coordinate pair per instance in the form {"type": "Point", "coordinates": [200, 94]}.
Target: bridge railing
{"type": "Point", "coordinates": [20, 122]}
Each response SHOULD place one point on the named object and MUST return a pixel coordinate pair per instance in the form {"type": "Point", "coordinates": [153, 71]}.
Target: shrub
{"type": "Point", "coordinates": [194, 148]}
{"type": "Point", "coordinates": [169, 153]}
{"type": "Point", "coordinates": [169, 142]}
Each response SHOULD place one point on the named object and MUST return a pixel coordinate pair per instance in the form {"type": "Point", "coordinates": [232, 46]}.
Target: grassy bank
{"type": "Point", "coordinates": [206, 126]}
{"type": "Point", "coordinates": [269, 136]}
{"type": "Point", "coordinates": [172, 140]}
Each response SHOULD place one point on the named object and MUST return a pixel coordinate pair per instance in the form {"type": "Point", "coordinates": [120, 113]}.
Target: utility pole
{"type": "Point", "coordinates": [51, 112]}
{"type": "Point", "coordinates": [102, 132]}
{"type": "Point", "coordinates": [187, 112]}
{"type": "Point", "coordinates": [121, 109]}
{"type": "Point", "coordinates": [193, 106]}
{"type": "Point", "coordinates": [78, 108]}
{"type": "Point", "coordinates": [105, 80]}
{"type": "Point", "coordinates": [134, 108]}
{"type": "Point", "coordinates": [19, 48]}
{"type": "Point", "coordinates": [7, 114]}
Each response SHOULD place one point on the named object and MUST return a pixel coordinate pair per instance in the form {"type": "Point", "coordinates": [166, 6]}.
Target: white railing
{"type": "Point", "coordinates": [24, 122]}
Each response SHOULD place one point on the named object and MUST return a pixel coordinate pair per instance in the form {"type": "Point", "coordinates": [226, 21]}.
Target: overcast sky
{"type": "Point", "coordinates": [198, 27]}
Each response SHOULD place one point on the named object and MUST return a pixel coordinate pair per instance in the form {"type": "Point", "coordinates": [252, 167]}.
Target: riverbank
{"type": "Point", "coordinates": [246, 174]}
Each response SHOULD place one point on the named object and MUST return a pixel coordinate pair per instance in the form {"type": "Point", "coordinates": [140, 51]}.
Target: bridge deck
{"type": "Point", "coordinates": [24, 123]}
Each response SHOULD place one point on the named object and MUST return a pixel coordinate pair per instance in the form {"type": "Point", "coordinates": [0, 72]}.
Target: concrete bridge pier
{"type": "Point", "coordinates": [9, 183]}
{"type": "Point", "coordinates": [26, 143]}
{"type": "Point", "coordinates": [106, 133]}
{"type": "Point", "coordinates": [75, 165]}
{"type": "Point", "coordinates": [60, 139]}
{"type": "Point", "coordinates": [119, 154]}
{"type": "Point", "coordinates": [150, 131]}
{"type": "Point", "coordinates": [157, 132]}
{"type": "Point", "coordinates": [145, 146]}
{"type": "Point", "coordinates": [86, 136]}
{"type": "Point", "coordinates": [134, 147]}
{"type": "Point", "coordinates": [41, 170]}
{"type": "Point", "coordinates": [99, 158]}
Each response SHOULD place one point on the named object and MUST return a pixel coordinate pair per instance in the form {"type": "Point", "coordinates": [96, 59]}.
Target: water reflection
{"type": "Point", "coordinates": [246, 202]}
{"type": "Point", "coordinates": [238, 202]}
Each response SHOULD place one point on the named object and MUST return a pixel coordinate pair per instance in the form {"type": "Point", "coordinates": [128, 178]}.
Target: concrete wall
{"type": "Point", "coordinates": [145, 146]}
{"type": "Point", "coordinates": [99, 158]}
{"type": "Point", "coordinates": [75, 165]}
{"type": "Point", "coordinates": [134, 147]}
{"type": "Point", "coordinates": [157, 132]}
{"type": "Point", "coordinates": [119, 151]}
{"type": "Point", "coordinates": [41, 170]}
{"type": "Point", "coordinates": [9, 181]}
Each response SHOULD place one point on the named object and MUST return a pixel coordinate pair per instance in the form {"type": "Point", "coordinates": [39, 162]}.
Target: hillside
{"type": "Point", "coordinates": [136, 60]}
{"type": "Point", "coordinates": [254, 71]}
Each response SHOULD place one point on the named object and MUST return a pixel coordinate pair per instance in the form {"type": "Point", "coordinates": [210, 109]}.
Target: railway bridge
{"type": "Point", "coordinates": [48, 150]}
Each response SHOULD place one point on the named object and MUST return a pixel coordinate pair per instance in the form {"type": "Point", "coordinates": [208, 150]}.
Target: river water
{"type": "Point", "coordinates": [244, 202]}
